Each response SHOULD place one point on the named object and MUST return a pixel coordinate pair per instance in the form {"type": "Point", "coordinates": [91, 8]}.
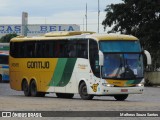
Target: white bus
{"type": "Point", "coordinates": [67, 63]}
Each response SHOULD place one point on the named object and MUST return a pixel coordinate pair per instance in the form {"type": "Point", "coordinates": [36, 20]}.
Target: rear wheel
{"type": "Point", "coordinates": [64, 95]}
{"type": "Point", "coordinates": [25, 88]}
{"type": "Point", "coordinates": [121, 97]}
{"type": "Point", "coordinates": [83, 92]}
{"type": "Point", "coordinates": [34, 92]}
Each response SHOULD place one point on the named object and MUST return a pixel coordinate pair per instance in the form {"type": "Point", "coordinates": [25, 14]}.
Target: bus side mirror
{"type": "Point", "coordinates": [101, 58]}
{"type": "Point", "coordinates": [148, 56]}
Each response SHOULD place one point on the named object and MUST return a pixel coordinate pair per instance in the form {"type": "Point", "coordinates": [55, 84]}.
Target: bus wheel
{"type": "Point", "coordinates": [64, 95]}
{"type": "Point", "coordinates": [83, 92]}
{"type": "Point", "coordinates": [121, 97]}
{"type": "Point", "coordinates": [25, 88]}
{"type": "Point", "coordinates": [33, 88]}
{"type": "Point", "coordinates": [34, 92]}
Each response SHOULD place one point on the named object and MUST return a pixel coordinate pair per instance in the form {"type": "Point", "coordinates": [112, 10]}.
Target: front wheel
{"type": "Point", "coordinates": [83, 92]}
{"type": "Point", "coordinates": [121, 97]}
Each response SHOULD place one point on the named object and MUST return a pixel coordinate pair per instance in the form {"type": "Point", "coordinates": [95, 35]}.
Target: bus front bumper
{"type": "Point", "coordinates": [122, 90]}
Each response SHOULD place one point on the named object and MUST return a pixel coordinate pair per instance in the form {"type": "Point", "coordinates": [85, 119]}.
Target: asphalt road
{"type": "Point", "coordinates": [11, 100]}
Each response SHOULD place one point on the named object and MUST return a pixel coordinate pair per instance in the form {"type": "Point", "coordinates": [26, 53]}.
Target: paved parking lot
{"type": "Point", "coordinates": [11, 100]}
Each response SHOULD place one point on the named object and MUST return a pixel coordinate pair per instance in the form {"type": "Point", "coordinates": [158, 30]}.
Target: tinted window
{"type": "Point", "coordinates": [50, 49]}
{"type": "Point", "coordinates": [94, 58]}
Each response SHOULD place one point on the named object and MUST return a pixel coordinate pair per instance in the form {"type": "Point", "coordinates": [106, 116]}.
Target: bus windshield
{"type": "Point", "coordinates": [120, 46]}
{"type": "Point", "coordinates": [123, 66]}
{"type": "Point", "coordinates": [122, 59]}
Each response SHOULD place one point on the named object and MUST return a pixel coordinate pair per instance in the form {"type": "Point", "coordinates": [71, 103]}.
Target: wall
{"type": "Point", "coordinates": [153, 77]}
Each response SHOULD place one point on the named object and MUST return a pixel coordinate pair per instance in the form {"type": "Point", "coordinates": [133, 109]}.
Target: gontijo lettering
{"type": "Point", "coordinates": [38, 64]}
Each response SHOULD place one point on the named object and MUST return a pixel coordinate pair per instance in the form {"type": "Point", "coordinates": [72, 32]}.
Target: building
{"type": "Point", "coordinates": [36, 29]}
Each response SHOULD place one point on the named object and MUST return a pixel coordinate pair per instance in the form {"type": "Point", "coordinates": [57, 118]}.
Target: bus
{"type": "Point", "coordinates": [85, 63]}
{"type": "Point", "coordinates": [4, 68]}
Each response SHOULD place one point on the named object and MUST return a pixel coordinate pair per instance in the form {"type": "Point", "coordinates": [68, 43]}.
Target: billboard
{"type": "Point", "coordinates": [36, 29]}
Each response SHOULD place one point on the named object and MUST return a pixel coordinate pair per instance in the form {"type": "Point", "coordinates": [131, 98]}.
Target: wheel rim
{"type": "Point", "coordinates": [84, 91]}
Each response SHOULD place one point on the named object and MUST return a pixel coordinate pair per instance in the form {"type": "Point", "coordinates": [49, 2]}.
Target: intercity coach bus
{"type": "Point", "coordinates": [67, 63]}
{"type": "Point", "coordinates": [4, 67]}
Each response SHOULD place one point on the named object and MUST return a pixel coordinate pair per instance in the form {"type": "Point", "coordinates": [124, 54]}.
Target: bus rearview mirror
{"type": "Point", "coordinates": [148, 56]}
{"type": "Point", "coordinates": [101, 58]}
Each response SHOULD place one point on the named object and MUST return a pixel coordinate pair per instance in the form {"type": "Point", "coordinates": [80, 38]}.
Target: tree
{"type": "Point", "coordinates": [7, 38]}
{"type": "Point", "coordinates": [140, 18]}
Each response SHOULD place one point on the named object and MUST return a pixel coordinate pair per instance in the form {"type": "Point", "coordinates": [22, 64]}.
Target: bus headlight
{"type": "Point", "coordinates": [140, 85]}
{"type": "Point", "coordinates": [107, 85]}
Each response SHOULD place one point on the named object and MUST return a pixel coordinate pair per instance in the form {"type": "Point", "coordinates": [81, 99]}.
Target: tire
{"type": "Point", "coordinates": [83, 92]}
{"type": "Point", "coordinates": [33, 88]}
{"type": "Point", "coordinates": [34, 92]}
{"type": "Point", "coordinates": [121, 97]}
{"type": "Point", "coordinates": [25, 88]}
{"type": "Point", "coordinates": [65, 95]}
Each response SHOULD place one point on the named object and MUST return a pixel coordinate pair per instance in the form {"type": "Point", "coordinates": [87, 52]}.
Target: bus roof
{"type": "Point", "coordinates": [76, 34]}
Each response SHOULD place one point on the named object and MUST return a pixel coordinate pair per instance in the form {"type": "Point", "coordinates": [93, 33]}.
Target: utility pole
{"type": "Point", "coordinates": [98, 15]}
{"type": "Point", "coordinates": [83, 24]}
{"type": "Point", "coordinates": [86, 16]}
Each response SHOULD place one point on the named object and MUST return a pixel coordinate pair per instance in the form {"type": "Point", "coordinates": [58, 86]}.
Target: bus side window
{"type": "Point", "coordinates": [30, 49]}
{"type": "Point", "coordinates": [82, 48]}
{"type": "Point", "coordinates": [94, 58]}
{"type": "Point", "coordinates": [21, 50]}
{"type": "Point", "coordinates": [13, 49]}
{"type": "Point", "coordinates": [71, 49]}
{"type": "Point", "coordinates": [59, 49]}
{"type": "Point", "coordinates": [16, 50]}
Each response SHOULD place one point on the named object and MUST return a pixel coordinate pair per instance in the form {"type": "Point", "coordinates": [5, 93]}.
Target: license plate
{"type": "Point", "coordinates": [124, 90]}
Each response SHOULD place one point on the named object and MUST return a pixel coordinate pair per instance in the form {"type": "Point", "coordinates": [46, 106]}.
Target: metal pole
{"type": "Point", "coordinates": [98, 15]}
{"type": "Point", "coordinates": [86, 16]}
{"type": "Point", "coordinates": [83, 24]}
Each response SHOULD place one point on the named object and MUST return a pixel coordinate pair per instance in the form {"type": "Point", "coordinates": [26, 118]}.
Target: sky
{"type": "Point", "coordinates": [55, 12]}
